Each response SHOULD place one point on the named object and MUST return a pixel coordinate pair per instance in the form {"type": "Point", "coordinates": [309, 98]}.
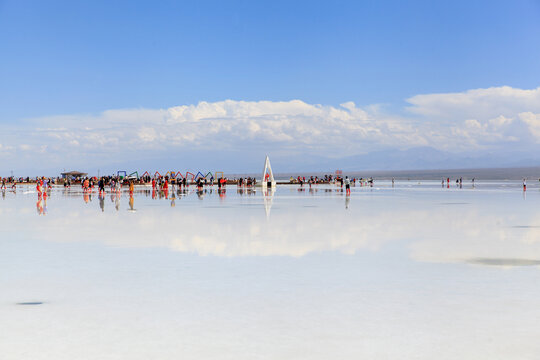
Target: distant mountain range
{"type": "Point", "coordinates": [419, 158]}
{"type": "Point", "coordinates": [244, 162]}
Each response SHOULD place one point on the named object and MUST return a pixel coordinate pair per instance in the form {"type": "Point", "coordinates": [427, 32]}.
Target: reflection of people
{"type": "Point", "coordinates": [39, 206]}
{"type": "Point", "coordinates": [221, 193]}
{"type": "Point", "coordinates": [102, 201]}
{"type": "Point", "coordinates": [131, 202]}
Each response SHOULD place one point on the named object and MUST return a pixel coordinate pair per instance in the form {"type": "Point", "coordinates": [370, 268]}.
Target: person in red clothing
{"type": "Point", "coordinates": [38, 186]}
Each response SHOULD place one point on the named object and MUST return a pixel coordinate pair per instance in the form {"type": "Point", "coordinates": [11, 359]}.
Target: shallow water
{"type": "Point", "coordinates": [411, 271]}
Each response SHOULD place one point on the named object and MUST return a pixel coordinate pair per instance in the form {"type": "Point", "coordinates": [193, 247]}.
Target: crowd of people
{"type": "Point", "coordinates": [330, 179]}
{"type": "Point", "coordinates": [116, 184]}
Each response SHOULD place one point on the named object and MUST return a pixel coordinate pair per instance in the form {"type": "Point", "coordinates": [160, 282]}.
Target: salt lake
{"type": "Point", "coordinates": [415, 270]}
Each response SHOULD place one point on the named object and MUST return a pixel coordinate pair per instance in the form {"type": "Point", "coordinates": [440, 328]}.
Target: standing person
{"type": "Point", "coordinates": [199, 184]}
{"type": "Point", "coordinates": [524, 184]}
{"type": "Point", "coordinates": [38, 187]}
{"type": "Point", "coordinates": [166, 184]}
{"type": "Point", "coordinates": [118, 186]}
{"type": "Point", "coordinates": [101, 185]}
{"type": "Point", "coordinates": [347, 185]}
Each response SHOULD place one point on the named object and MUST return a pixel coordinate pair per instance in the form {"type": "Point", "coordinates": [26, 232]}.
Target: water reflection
{"type": "Point", "coordinates": [41, 204]}
{"type": "Point", "coordinates": [478, 225]}
{"type": "Point", "coordinates": [277, 272]}
{"type": "Point", "coordinates": [102, 202]}
{"type": "Point", "coordinates": [131, 203]}
{"type": "Point", "coordinates": [268, 196]}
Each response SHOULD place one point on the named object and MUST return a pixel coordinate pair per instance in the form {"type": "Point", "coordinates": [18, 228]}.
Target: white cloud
{"type": "Point", "coordinates": [474, 119]}
{"type": "Point", "coordinates": [292, 123]}
{"type": "Point", "coordinates": [533, 121]}
{"type": "Point", "coordinates": [477, 103]}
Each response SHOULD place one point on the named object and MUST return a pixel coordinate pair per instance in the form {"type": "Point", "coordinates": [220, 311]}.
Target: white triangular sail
{"type": "Point", "coordinates": [268, 175]}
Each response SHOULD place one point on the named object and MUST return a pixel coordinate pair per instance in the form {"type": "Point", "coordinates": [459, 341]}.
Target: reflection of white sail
{"type": "Point", "coordinates": [268, 175]}
{"type": "Point", "coordinates": [268, 196]}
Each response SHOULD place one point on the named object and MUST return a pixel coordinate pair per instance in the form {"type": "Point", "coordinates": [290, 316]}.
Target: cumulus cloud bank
{"type": "Point", "coordinates": [480, 119]}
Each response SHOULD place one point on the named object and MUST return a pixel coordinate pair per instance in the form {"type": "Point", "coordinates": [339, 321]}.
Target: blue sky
{"type": "Point", "coordinates": [84, 58]}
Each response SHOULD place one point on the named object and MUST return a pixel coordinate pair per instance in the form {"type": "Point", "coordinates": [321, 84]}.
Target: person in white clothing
{"type": "Point", "coordinates": [347, 185]}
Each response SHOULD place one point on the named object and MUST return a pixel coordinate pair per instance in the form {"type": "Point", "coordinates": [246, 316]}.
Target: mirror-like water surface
{"type": "Point", "coordinates": [416, 270]}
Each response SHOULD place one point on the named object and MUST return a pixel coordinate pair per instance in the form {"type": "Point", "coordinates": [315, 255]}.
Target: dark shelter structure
{"type": "Point", "coordinates": [73, 175]}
